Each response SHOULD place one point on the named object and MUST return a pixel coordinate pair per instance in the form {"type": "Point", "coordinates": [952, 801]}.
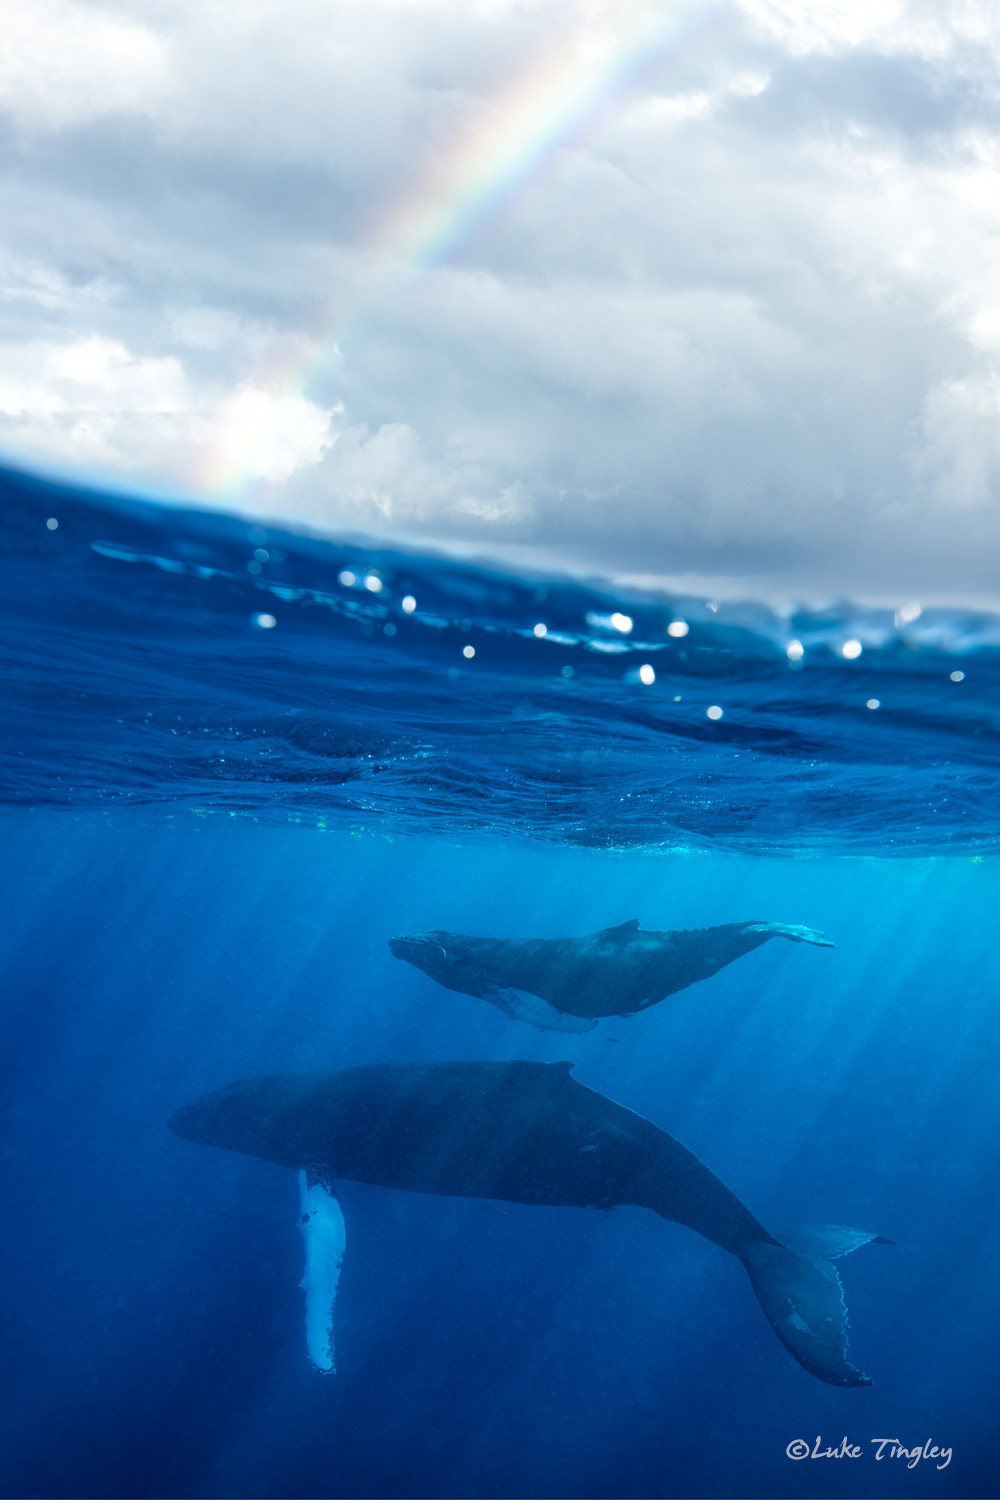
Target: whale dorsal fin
{"type": "Point", "coordinates": [620, 934]}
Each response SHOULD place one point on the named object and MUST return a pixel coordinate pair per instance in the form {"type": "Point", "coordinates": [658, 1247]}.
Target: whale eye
{"type": "Point", "coordinates": [444, 952]}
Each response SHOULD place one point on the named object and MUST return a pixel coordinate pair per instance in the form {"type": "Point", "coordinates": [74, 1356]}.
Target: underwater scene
{"type": "Point", "coordinates": [476, 1034]}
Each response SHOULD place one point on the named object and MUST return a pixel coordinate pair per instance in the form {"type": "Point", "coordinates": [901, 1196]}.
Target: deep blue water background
{"type": "Point", "coordinates": [209, 831]}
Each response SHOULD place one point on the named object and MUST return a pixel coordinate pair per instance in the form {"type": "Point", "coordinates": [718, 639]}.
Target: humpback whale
{"type": "Point", "coordinates": [568, 984]}
{"type": "Point", "coordinates": [521, 1132]}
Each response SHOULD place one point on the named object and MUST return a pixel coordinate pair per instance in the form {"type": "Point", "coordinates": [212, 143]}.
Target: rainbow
{"type": "Point", "coordinates": [512, 149]}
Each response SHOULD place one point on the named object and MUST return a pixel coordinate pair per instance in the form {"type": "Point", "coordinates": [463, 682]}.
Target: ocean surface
{"type": "Point", "coordinates": [234, 762]}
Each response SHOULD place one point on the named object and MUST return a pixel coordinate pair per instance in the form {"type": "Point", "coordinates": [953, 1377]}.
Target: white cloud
{"type": "Point", "coordinates": [262, 435]}
{"type": "Point", "coordinates": [805, 26]}
{"type": "Point", "coordinates": [919, 29]}
{"type": "Point", "coordinates": [958, 458]}
{"type": "Point", "coordinates": [701, 292]}
{"type": "Point", "coordinates": [92, 402]}
{"type": "Point", "coordinates": [87, 375]}
{"type": "Point", "coordinates": [63, 63]}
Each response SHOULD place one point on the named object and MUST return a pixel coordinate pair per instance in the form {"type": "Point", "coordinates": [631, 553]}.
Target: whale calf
{"type": "Point", "coordinates": [521, 1132]}
{"type": "Point", "coordinates": [568, 984]}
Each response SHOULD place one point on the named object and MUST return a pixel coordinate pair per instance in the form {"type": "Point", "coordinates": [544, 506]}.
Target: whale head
{"type": "Point", "coordinates": [429, 952]}
{"type": "Point", "coordinates": [258, 1116]}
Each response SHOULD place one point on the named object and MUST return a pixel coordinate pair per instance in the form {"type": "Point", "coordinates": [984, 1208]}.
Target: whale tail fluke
{"type": "Point", "coordinates": [802, 1298]}
{"type": "Point", "coordinates": [829, 1241]}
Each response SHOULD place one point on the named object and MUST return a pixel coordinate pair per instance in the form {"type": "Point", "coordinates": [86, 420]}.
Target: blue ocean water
{"type": "Point", "coordinates": [224, 788]}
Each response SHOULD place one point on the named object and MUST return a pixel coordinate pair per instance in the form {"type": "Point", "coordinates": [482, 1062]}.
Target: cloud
{"type": "Point", "coordinates": [700, 294]}
{"type": "Point", "coordinates": [89, 403]}
{"type": "Point", "coordinates": [267, 436]}
{"type": "Point", "coordinates": [62, 64]}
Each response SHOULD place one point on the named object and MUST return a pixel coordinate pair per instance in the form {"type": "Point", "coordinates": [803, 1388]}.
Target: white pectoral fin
{"type": "Point", "coordinates": [322, 1224]}
{"type": "Point", "coordinates": [521, 1006]}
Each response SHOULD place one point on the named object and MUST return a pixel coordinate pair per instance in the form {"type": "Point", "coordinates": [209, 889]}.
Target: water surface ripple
{"type": "Point", "coordinates": [188, 661]}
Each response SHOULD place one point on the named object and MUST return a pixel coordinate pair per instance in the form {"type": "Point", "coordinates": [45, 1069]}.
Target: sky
{"type": "Point", "coordinates": [694, 294]}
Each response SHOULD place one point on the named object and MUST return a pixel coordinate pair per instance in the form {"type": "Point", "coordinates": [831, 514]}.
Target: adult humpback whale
{"type": "Point", "coordinates": [529, 1133]}
{"type": "Point", "coordinates": [567, 984]}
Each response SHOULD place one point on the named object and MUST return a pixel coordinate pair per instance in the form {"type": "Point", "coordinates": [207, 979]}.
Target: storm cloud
{"type": "Point", "coordinates": [700, 294]}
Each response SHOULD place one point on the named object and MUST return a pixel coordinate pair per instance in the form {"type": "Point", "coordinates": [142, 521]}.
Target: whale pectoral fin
{"type": "Point", "coordinates": [322, 1224]}
{"type": "Point", "coordinates": [792, 932]}
{"type": "Point", "coordinates": [828, 1241]}
{"type": "Point", "coordinates": [620, 934]}
{"type": "Point", "coordinates": [804, 1303]}
{"type": "Point", "coordinates": [521, 1006]}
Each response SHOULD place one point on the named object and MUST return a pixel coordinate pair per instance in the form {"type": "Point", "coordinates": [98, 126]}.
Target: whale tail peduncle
{"type": "Point", "coordinates": [802, 1297]}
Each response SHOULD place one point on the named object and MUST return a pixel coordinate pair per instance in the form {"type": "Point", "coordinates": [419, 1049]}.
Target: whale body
{"type": "Point", "coordinates": [568, 984]}
{"type": "Point", "coordinates": [524, 1132]}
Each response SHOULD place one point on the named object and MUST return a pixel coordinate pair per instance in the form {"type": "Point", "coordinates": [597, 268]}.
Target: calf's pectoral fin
{"type": "Point", "coordinates": [322, 1224]}
{"type": "Point", "coordinates": [521, 1006]}
{"type": "Point", "coordinates": [794, 933]}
